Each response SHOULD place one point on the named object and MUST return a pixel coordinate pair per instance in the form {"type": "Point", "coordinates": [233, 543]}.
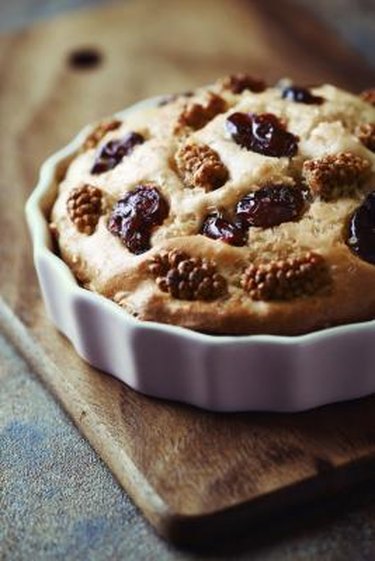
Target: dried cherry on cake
{"type": "Point", "coordinates": [217, 227]}
{"type": "Point", "coordinates": [270, 205]}
{"type": "Point", "coordinates": [238, 83]}
{"type": "Point", "coordinates": [301, 95]}
{"type": "Point", "coordinates": [135, 216]}
{"type": "Point", "coordinates": [361, 231]}
{"type": "Point", "coordinates": [111, 154]}
{"type": "Point", "coordinates": [263, 133]}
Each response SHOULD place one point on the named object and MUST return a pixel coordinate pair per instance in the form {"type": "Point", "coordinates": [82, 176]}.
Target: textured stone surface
{"type": "Point", "coordinates": [22, 12]}
{"type": "Point", "coordinates": [57, 499]}
{"type": "Point", "coordinates": [354, 20]}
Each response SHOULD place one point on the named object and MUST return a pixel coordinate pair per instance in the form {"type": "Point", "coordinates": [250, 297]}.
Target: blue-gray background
{"type": "Point", "coordinates": [57, 499]}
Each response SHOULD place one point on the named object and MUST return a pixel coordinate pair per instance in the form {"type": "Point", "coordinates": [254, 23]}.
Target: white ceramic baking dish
{"type": "Point", "coordinates": [221, 373]}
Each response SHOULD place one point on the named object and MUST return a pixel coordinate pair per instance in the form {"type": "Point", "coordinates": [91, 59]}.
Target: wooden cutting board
{"type": "Point", "coordinates": [195, 475]}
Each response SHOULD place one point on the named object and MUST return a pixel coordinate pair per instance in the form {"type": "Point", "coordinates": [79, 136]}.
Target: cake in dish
{"type": "Point", "coordinates": [233, 209]}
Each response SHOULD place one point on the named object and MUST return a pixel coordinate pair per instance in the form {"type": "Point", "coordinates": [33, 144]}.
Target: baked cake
{"type": "Point", "coordinates": [233, 209]}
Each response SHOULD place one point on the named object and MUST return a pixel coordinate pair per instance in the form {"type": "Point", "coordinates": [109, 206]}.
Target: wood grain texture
{"type": "Point", "coordinates": [192, 473]}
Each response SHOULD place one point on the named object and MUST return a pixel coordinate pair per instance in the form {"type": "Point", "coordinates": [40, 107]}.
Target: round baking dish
{"type": "Point", "coordinates": [220, 373]}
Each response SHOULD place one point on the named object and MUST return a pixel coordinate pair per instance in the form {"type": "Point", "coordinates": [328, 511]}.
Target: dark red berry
{"type": "Point", "coordinates": [217, 227]}
{"type": "Point", "coordinates": [263, 133]}
{"type": "Point", "coordinates": [361, 231]}
{"type": "Point", "coordinates": [85, 58]}
{"type": "Point", "coordinates": [270, 205]}
{"type": "Point", "coordinates": [111, 154]}
{"type": "Point", "coordinates": [240, 82]}
{"type": "Point", "coordinates": [301, 95]}
{"type": "Point", "coordinates": [135, 216]}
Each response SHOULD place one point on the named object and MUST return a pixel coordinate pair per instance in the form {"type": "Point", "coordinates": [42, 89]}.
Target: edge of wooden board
{"type": "Point", "coordinates": [181, 529]}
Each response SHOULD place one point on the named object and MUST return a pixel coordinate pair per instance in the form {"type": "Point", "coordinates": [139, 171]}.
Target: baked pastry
{"type": "Point", "coordinates": [234, 209]}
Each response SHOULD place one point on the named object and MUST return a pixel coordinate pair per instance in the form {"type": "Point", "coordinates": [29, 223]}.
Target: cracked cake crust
{"type": "Point", "coordinates": [102, 262]}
